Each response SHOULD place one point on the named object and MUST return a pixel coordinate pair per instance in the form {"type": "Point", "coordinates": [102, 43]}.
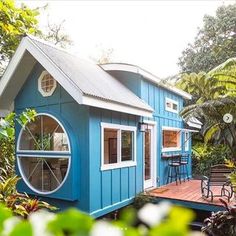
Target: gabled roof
{"type": "Point", "coordinates": [147, 75]}
{"type": "Point", "coordinates": [86, 82]}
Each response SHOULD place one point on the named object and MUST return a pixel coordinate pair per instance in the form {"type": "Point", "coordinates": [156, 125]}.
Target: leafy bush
{"type": "Point", "coordinates": [142, 199]}
{"type": "Point", "coordinates": [7, 140]}
{"type": "Point", "coordinates": [221, 223]}
{"type": "Point", "coordinates": [162, 219]}
{"type": "Point", "coordinates": [20, 204]}
{"type": "Point", "coordinates": [204, 156]}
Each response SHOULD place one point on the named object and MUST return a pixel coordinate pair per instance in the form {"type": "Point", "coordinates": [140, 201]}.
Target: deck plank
{"type": "Point", "coordinates": [189, 191]}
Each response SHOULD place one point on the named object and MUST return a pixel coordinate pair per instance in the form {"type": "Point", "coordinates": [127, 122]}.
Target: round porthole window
{"type": "Point", "coordinates": [43, 154]}
{"type": "Point", "coordinates": [46, 84]}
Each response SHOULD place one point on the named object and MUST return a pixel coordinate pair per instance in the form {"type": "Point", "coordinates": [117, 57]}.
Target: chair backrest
{"type": "Point", "coordinates": [219, 174]}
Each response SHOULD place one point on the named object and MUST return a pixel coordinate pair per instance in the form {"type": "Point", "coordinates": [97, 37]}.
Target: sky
{"type": "Point", "coordinates": [150, 34]}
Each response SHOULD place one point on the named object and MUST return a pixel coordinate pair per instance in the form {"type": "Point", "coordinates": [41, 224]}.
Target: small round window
{"type": "Point", "coordinates": [46, 84]}
{"type": "Point", "coordinates": [43, 154]}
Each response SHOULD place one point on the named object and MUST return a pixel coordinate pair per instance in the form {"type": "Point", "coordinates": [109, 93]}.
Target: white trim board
{"type": "Point", "coordinates": [155, 153]}
{"type": "Point", "coordinates": [91, 101]}
{"type": "Point", "coordinates": [149, 76]}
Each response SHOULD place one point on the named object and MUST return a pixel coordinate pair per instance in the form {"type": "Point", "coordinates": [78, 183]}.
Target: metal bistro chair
{"type": "Point", "coordinates": [184, 159]}
{"type": "Point", "coordinates": [174, 169]}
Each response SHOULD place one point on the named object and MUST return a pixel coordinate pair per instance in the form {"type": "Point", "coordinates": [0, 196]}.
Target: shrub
{"type": "Point", "coordinates": [162, 219]}
{"type": "Point", "coordinates": [142, 199]}
{"type": "Point", "coordinates": [221, 223]}
{"type": "Point", "coordinates": [20, 204]}
{"type": "Point", "coordinates": [204, 156]}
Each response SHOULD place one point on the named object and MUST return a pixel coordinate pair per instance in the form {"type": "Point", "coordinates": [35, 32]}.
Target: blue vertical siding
{"type": "Point", "coordinates": [74, 117]}
{"type": "Point", "coordinates": [155, 96]}
{"type": "Point", "coordinates": [87, 187]}
{"type": "Point", "coordinates": [114, 186]}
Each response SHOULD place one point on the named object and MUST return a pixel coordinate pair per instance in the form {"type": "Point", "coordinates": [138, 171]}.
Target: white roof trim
{"type": "Point", "coordinates": [149, 76]}
{"type": "Point", "coordinates": [194, 125]}
{"type": "Point", "coordinates": [27, 45]}
{"type": "Point", "coordinates": [194, 122]}
{"type": "Point", "coordinates": [12, 66]}
{"type": "Point", "coordinates": [190, 130]}
{"type": "Point", "coordinates": [94, 102]}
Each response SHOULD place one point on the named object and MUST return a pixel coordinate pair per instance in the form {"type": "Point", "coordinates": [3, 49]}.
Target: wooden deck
{"type": "Point", "coordinates": [188, 194]}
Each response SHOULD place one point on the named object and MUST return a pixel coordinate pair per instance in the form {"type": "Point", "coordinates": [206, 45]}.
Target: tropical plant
{"type": "Point", "coordinates": [221, 223]}
{"type": "Point", "coordinates": [20, 203]}
{"type": "Point", "coordinates": [142, 199]}
{"type": "Point", "coordinates": [204, 156]}
{"type": "Point", "coordinates": [162, 219]}
{"type": "Point", "coordinates": [211, 115]}
{"type": "Point", "coordinates": [214, 43]}
{"type": "Point", "coordinates": [201, 86]}
{"type": "Point", "coordinates": [211, 112]}
{"type": "Point", "coordinates": [7, 140]}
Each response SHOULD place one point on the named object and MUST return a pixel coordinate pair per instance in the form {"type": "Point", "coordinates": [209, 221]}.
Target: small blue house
{"type": "Point", "coordinates": [100, 131]}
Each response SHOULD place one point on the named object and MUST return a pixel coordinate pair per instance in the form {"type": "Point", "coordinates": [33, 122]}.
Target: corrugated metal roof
{"type": "Point", "coordinates": [147, 75]}
{"type": "Point", "coordinates": [89, 78]}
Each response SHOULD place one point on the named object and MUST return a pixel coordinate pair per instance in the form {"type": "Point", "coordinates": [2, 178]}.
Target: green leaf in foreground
{"type": "Point", "coordinates": [5, 213]}
{"type": "Point", "coordinates": [71, 222]}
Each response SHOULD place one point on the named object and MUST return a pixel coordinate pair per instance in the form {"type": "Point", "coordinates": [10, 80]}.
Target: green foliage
{"type": "Point", "coordinates": [221, 223]}
{"type": "Point", "coordinates": [201, 86]}
{"type": "Point", "coordinates": [7, 140]}
{"type": "Point", "coordinates": [142, 199]}
{"type": "Point", "coordinates": [5, 214]}
{"type": "Point", "coordinates": [20, 204]}
{"type": "Point", "coordinates": [72, 222]}
{"type": "Point", "coordinates": [22, 228]}
{"type": "Point", "coordinates": [211, 109]}
{"type": "Point", "coordinates": [215, 42]}
{"type": "Point", "coordinates": [205, 156]}
{"type": "Point", "coordinates": [176, 223]}
{"type": "Point", "coordinates": [14, 22]}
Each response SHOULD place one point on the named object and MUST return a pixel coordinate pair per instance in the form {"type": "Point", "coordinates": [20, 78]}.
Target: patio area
{"type": "Point", "coordinates": [188, 194]}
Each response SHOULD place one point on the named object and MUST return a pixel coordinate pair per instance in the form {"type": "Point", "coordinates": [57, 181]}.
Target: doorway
{"type": "Point", "coordinates": [149, 157]}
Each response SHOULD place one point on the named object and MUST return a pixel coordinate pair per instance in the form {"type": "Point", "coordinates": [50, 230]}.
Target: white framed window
{"type": "Point", "coordinates": [171, 139]}
{"type": "Point", "coordinates": [171, 105]}
{"type": "Point", "coordinates": [186, 141]}
{"type": "Point", "coordinates": [46, 84]}
{"type": "Point", "coordinates": [118, 146]}
{"type": "Point", "coordinates": [43, 154]}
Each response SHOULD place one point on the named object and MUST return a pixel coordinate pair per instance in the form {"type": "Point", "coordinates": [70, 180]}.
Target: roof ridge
{"type": "Point", "coordinates": [49, 43]}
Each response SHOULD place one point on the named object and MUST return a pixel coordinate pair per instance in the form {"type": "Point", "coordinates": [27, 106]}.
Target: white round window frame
{"type": "Point", "coordinates": [43, 93]}
{"type": "Point", "coordinates": [22, 153]}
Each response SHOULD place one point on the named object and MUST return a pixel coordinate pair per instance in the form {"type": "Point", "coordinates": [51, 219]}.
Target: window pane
{"type": "Point", "coordinates": [171, 139]}
{"type": "Point", "coordinates": [44, 174]}
{"type": "Point", "coordinates": [126, 145]}
{"type": "Point", "coordinates": [175, 107]}
{"type": "Point", "coordinates": [110, 146]}
{"type": "Point", "coordinates": [47, 83]}
{"type": "Point", "coordinates": [186, 141]}
{"type": "Point", "coordinates": [30, 137]}
{"type": "Point", "coordinates": [168, 104]}
{"type": "Point", "coordinates": [44, 134]}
